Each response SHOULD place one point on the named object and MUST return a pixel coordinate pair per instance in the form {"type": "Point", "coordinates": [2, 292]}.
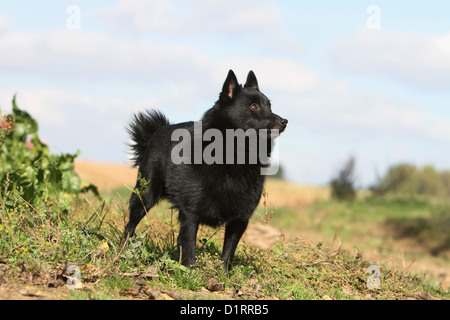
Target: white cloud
{"type": "Point", "coordinates": [140, 15]}
{"type": "Point", "coordinates": [5, 24]}
{"type": "Point", "coordinates": [275, 74]}
{"type": "Point", "coordinates": [422, 60]}
{"type": "Point", "coordinates": [69, 54]}
{"type": "Point", "coordinates": [345, 114]}
{"type": "Point", "coordinates": [99, 56]}
{"type": "Point", "coordinates": [443, 42]}
{"type": "Point", "coordinates": [58, 107]}
{"type": "Point", "coordinates": [340, 87]}
{"type": "Point", "coordinates": [233, 16]}
{"type": "Point", "coordinates": [45, 104]}
{"type": "Point", "coordinates": [85, 55]}
{"type": "Point", "coordinates": [390, 119]}
{"type": "Point", "coordinates": [334, 121]}
{"type": "Point", "coordinates": [194, 16]}
{"type": "Point", "coordinates": [69, 121]}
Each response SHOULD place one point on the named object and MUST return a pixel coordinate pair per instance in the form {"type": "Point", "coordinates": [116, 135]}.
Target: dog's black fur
{"type": "Point", "coordinates": [211, 194]}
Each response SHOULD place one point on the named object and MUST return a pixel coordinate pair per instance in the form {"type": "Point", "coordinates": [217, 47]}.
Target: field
{"type": "Point", "coordinates": [300, 245]}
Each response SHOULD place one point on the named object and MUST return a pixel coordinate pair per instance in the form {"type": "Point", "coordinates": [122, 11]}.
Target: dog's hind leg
{"type": "Point", "coordinates": [139, 206]}
{"type": "Point", "coordinates": [137, 212]}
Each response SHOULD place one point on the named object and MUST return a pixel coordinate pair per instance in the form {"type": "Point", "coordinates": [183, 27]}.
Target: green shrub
{"type": "Point", "coordinates": [407, 179]}
{"type": "Point", "coordinates": [27, 169]}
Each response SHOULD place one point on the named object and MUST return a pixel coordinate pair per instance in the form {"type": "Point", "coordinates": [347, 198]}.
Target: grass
{"type": "Point", "coordinates": [38, 245]}
{"type": "Point", "coordinates": [424, 222]}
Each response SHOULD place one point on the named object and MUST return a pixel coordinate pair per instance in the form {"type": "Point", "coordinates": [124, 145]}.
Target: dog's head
{"type": "Point", "coordinates": [245, 107]}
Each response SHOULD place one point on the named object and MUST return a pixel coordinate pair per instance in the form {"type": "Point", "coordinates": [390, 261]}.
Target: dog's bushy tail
{"type": "Point", "coordinates": [141, 129]}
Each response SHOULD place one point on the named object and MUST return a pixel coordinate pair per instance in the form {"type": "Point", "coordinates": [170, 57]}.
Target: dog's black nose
{"type": "Point", "coordinates": [283, 122]}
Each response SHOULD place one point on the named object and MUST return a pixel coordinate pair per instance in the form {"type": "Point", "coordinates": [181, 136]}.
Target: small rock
{"type": "Point", "coordinates": [214, 285]}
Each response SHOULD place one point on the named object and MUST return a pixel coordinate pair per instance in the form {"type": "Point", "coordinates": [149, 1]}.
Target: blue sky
{"type": "Point", "coordinates": [351, 81]}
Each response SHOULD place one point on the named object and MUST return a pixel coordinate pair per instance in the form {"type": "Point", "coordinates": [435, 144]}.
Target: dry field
{"type": "Point", "coordinates": [400, 253]}
{"type": "Point", "coordinates": [300, 245]}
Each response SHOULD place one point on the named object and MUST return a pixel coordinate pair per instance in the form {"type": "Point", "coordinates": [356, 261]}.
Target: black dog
{"type": "Point", "coordinates": [226, 191]}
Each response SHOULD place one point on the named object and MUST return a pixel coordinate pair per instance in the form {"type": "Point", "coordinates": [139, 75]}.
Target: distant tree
{"type": "Point", "coordinates": [401, 178]}
{"type": "Point", "coordinates": [342, 187]}
{"type": "Point", "coordinates": [407, 179]}
{"type": "Point", "coordinates": [446, 183]}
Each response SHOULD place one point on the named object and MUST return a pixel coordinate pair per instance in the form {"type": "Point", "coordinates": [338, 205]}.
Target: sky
{"type": "Point", "coordinates": [369, 79]}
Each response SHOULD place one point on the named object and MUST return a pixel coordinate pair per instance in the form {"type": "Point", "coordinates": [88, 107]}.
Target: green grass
{"type": "Point", "coordinates": [423, 221]}
{"type": "Point", "coordinates": [43, 242]}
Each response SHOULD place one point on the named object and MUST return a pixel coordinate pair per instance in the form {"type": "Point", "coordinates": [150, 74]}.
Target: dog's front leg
{"type": "Point", "coordinates": [187, 239]}
{"type": "Point", "coordinates": [233, 232]}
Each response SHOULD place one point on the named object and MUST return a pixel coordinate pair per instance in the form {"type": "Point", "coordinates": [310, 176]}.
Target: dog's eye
{"type": "Point", "coordinates": [254, 106]}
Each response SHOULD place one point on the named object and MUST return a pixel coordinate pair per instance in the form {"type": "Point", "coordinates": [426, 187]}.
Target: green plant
{"type": "Point", "coordinates": [27, 169]}
{"type": "Point", "coordinates": [407, 179]}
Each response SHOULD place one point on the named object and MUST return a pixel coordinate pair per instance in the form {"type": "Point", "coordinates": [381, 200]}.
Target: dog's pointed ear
{"type": "Point", "coordinates": [251, 81]}
{"type": "Point", "coordinates": [230, 87]}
